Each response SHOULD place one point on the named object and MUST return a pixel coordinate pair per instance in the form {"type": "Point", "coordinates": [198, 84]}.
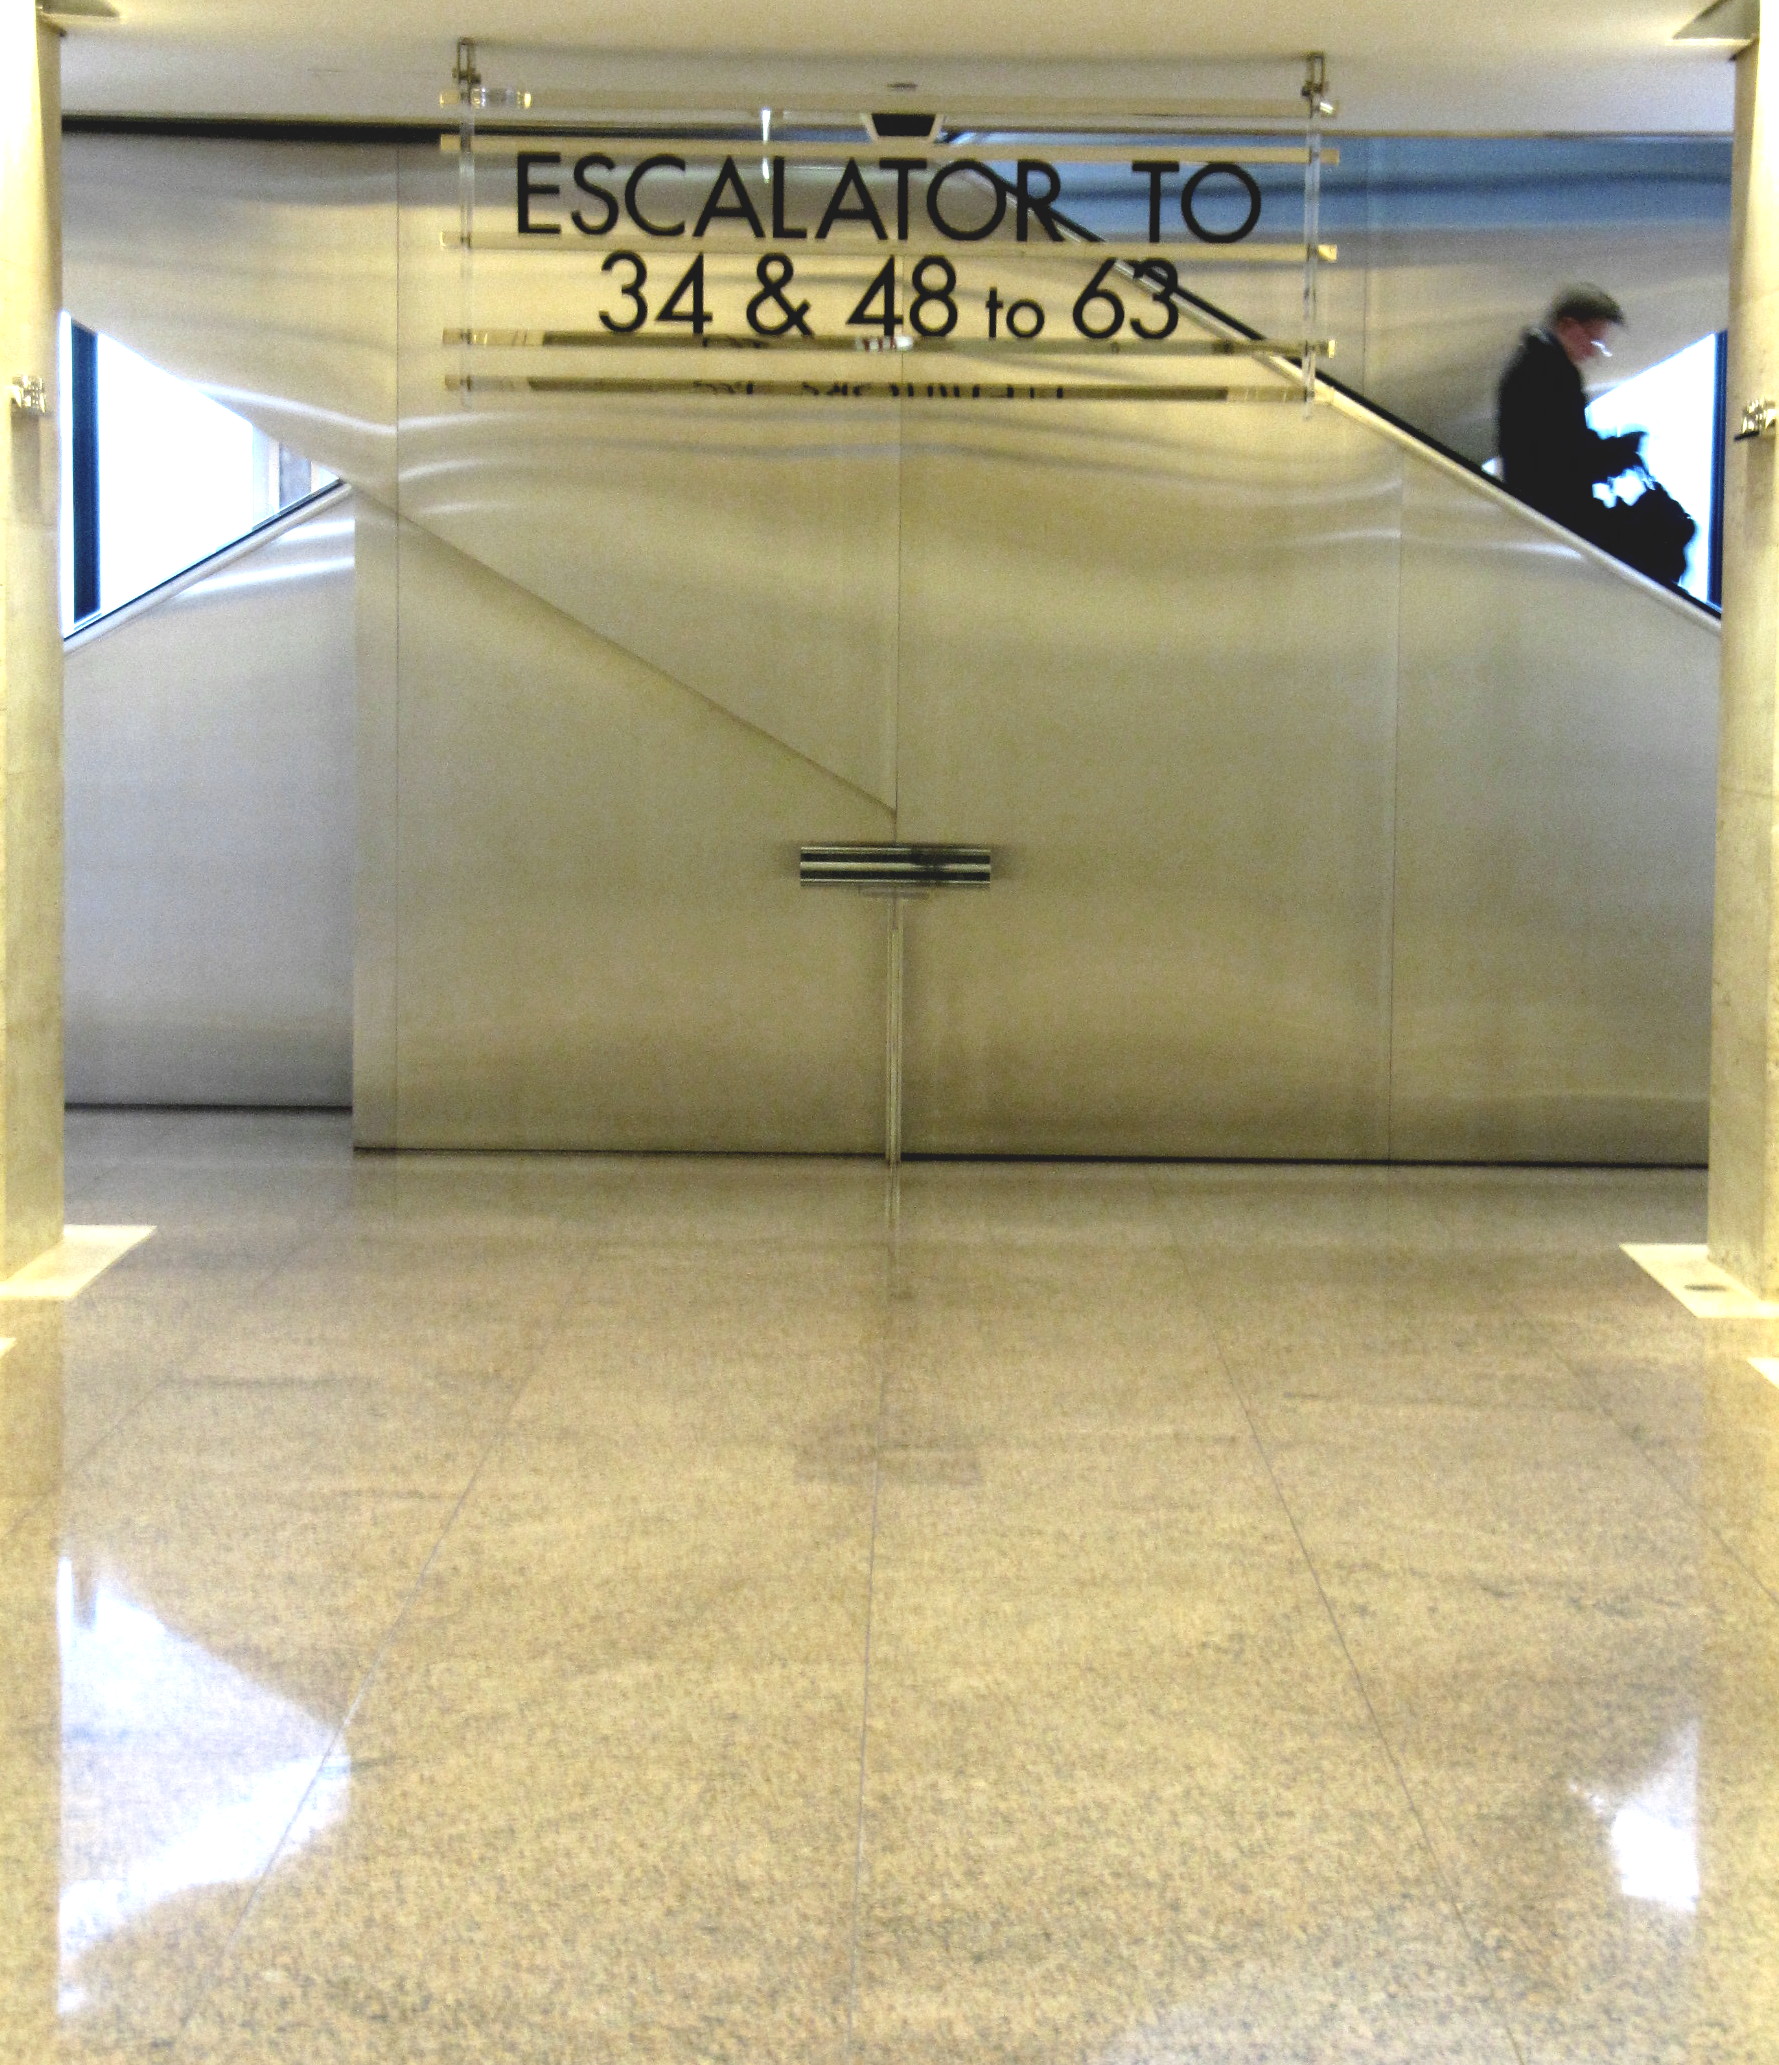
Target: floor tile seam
{"type": "Point", "coordinates": [1685, 1501]}
{"type": "Point", "coordinates": [367, 1679]}
{"type": "Point", "coordinates": [854, 1929]}
{"type": "Point", "coordinates": [27, 1509]}
{"type": "Point", "coordinates": [534, 1344]}
{"type": "Point", "coordinates": [80, 1463]}
{"type": "Point", "coordinates": [1381, 1737]}
{"type": "Point", "coordinates": [1447, 1889]}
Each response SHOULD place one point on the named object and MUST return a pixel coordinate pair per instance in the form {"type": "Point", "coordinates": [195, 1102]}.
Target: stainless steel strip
{"type": "Point", "coordinates": [1054, 347]}
{"type": "Point", "coordinates": [1013, 113]}
{"type": "Point", "coordinates": [856, 247]}
{"type": "Point", "coordinates": [875, 390]}
{"type": "Point", "coordinates": [893, 1038]}
{"type": "Point", "coordinates": [702, 150]}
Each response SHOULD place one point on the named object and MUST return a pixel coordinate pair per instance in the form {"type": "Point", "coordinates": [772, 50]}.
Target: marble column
{"type": "Point", "coordinates": [30, 642]}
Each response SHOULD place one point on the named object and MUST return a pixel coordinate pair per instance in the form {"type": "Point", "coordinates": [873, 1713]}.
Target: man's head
{"type": "Point", "coordinates": [1582, 320]}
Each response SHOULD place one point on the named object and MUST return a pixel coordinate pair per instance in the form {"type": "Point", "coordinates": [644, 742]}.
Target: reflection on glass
{"type": "Point", "coordinates": [179, 1772]}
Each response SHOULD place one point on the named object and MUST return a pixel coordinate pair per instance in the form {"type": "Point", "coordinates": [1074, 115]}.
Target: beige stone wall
{"type": "Point", "coordinates": [1744, 1229]}
{"type": "Point", "coordinates": [30, 648]}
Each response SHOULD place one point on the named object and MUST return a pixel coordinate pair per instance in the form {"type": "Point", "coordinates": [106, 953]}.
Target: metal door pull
{"type": "Point", "coordinates": [895, 873]}
{"type": "Point", "coordinates": [895, 867]}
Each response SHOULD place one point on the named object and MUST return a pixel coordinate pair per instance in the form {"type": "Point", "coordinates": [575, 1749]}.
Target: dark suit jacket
{"type": "Point", "coordinates": [1549, 456]}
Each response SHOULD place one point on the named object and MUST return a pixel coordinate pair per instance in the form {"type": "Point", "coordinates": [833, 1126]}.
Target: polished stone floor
{"type": "Point", "coordinates": [576, 1609]}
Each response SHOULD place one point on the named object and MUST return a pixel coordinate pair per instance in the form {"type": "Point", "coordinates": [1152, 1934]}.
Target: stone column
{"type": "Point", "coordinates": [30, 642]}
{"type": "Point", "coordinates": [30, 1677]}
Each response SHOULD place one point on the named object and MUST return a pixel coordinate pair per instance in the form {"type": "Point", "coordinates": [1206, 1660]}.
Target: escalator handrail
{"type": "Point", "coordinates": [1410, 433]}
{"type": "Point", "coordinates": [262, 533]}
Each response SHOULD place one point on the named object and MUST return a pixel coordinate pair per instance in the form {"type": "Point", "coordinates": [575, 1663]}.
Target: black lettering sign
{"type": "Point", "coordinates": [850, 182]}
{"type": "Point", "coordinates": [607, 201]}
{"type": "Point", "coordinates": [1167, 285]}
{"type": "Point", "coordinates": [686, 303]}
{"type": "Point", "coordinates": [1030, 204]}
{"type": "Point", "coordinates": [1157, 170]}
{"type": "Point", "coordinates": [716, 209]}
{"type": "Point", "coordinates": [775, 273]}
{"type": "Point", "coordinates": [876, 309]}
{"type": "Point", "coordinates": [780, 228]}
{"type": "Point", "coordinates": [935, 288]}
{"type": "Point", "coordinates": [1189, 195]}
{"type": "Point", "coordinates": [530, 191]}
{"type": "Point", "coordinates": [632, 202]}
{"type": "Point", "coordinates": [1096, 294]}
{"type": "Point", "coordinates": [632, 292]}
{"type": "Point", "coordinates": [901, 167]}
{"type": "Point", "coordinates": [936, 187]}
{"type": "Point", "coordinates": [1034, 191]}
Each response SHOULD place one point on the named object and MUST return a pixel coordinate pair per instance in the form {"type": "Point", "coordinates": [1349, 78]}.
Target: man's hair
{"type": "Point", "coordinates": [1585, 305]}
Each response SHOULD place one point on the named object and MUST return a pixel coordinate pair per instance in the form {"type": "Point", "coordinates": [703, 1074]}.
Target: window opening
{"type": "Point", "coordinates": [157, 475]}
{"type": "Point", "coordinates": [82, 388]}
{"type": "Point", "coordinates": [1678, 402]}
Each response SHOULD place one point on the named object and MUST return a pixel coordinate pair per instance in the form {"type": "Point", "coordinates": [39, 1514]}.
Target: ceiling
{"type": "Point", "coordinates": [1513, 66]}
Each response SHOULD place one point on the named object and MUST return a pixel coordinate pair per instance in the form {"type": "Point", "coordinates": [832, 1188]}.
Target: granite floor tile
{"type": "Point", "coordinates": [403, 1436]}
{"type": "Point", "coordinates": [760, 1297]}
{"type": "Point", "coordinates": [1077, 1825]}
{"type": "Point", "coordinates": [316, 1347]}
{"type": "Point", "coordinates": [1589, 1763]}
{"type": "Point", "coordinates": [1220, 1213]}
{"type": "Point", "coordinates": [1469, 1490]}
{"type": "Point", "coordinates": [583, 1608]}
{"type": "Point", "coordinates": [251, 1574]}
{"type": "Point", "coordinates": [1388, 1356]}
{"type": "Point", "coordinates": [12, 1513]}
{"type": "Point", "coordinates": [1007, 1205]}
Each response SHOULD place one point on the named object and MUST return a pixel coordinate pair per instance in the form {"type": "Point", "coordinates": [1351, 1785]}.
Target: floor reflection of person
{"type": "Point", "coordinates": [1549, 456]}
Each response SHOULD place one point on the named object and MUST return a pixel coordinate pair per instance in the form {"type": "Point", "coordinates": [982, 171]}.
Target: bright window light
{"type": "Point", "coordinates": [1675, 402]}
{"type": "Point", "coordinates": [176, 475]}
{"type": "Point", "coordinates": [180, 476]}
{"type": "Point", "coordinates": [1654, 1833]}
{"type": "Point", "coordinates": [65, 389]}
{"type": "Point", "coordinates": [178, 1772]}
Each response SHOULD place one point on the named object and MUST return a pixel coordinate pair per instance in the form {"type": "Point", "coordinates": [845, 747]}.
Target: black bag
{"type": "Point", "coordinates": [1651, 533]}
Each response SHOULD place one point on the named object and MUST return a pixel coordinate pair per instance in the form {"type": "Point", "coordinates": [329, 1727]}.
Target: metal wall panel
{"type": "Point", "coordinates": [1556, 803]}
{"type": "Point", "coordinates": [747, 551]}
{"type": "Point", "coordinates": [602, 942]}
{"type": "Point", "coordinates": [1148, 653]}
{"type": "Point", "coordinates": [264, 272]}
{"type": "Point", "coordinates": [377, 916]}
{"type": "Point", "coordinates": [620, 658]}
{"type": "Point", "coordinates": [210, 832]}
